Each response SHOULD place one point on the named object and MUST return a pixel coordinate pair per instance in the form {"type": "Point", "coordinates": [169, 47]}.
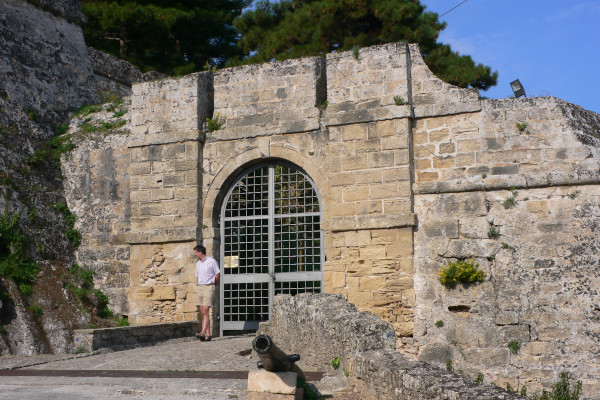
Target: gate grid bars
{"type": "Point", "coordinates": [272, 243]}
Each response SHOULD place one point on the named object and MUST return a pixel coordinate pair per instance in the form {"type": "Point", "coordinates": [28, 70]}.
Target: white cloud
{"type": "Point", "coordinates": [462, 45]}
{"type": "Point", "coordinates": [575, 10]}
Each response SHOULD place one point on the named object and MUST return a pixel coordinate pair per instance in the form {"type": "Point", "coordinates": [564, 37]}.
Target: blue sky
{"type": "Point", "coordinates": [552, 47]}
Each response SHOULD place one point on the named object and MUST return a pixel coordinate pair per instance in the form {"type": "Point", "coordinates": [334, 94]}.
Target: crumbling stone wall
{"type": "Point", "coordinates": [321, 327]}
{"type": "Point", "coordinates": [98, 191]}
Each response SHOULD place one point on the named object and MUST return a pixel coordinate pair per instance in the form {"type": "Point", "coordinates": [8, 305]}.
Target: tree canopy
{"type": "Point", "coordinates": [182, 36]}
{"type": "Point", "coordinates": [299, 28]}
{"type": "Point", "coordinates": [173, 37]}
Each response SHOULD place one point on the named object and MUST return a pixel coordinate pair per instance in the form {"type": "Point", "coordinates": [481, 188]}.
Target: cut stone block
{"type": "Point", "coordinates": [263, 381]}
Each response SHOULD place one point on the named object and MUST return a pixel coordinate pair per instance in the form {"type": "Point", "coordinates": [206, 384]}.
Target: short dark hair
{"type": "Point", "coordinates": [200, 249]}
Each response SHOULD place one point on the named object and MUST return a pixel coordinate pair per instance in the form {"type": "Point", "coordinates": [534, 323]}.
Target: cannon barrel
{"type": "Point", "coordinates": [272, 358]}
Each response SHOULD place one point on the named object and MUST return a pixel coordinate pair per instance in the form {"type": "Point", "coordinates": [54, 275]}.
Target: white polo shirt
{"type": "Point", "coordinates": [207, 270]}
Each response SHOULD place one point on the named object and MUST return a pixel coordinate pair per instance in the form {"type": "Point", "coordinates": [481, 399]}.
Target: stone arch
{"type": "Point", "coordinates": [216, 190]}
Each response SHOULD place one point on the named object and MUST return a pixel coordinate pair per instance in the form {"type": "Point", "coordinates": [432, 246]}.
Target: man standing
{"type": "Point", "coordinates": [208, 274]}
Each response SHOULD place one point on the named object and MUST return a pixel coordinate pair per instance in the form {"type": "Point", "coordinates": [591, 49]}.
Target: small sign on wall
{"type": "Point", "coordinates": [231, 262]}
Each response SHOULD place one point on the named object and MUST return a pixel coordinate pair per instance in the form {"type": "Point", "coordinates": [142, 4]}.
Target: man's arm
{"type": "Point", "coordinates": [217, 278]}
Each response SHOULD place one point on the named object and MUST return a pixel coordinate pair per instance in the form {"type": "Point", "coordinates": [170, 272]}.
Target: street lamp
{"type": "Point", "coordinates": [517, 88]}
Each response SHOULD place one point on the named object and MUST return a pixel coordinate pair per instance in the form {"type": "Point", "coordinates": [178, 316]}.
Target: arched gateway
{"type": "Point", "coordinates": [271, 242]}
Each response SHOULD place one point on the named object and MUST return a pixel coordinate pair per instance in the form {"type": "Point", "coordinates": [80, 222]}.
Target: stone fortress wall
{"type": "Point", "coordinates": [406, 185]}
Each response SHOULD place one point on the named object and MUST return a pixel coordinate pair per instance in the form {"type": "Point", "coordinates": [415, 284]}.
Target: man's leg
{"type": "Point", "coordinates": [205, 311]}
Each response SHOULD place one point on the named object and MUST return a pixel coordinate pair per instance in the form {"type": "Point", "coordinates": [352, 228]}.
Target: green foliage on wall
{"type": "Point", "coordinates": [82, 286]}
{"type": "Point", "coordinates": [564, 389]}
{"type": "Point", "coordinates": [71, 233]}
{"type": "Point", "coordinates": [216, 122]}
{"type": "Point", "coordinates": [514, 346]}
{"type": "Point", "coordinates": [462, 271]}
{"type": "Point", "coordinates": [335, 363]}
{"type": "Point", "coordinates": [399, 100]}
{"type": "Point", "coordinates": [57, 145]}
{"type": "Point", "coordinates": [14, 263]}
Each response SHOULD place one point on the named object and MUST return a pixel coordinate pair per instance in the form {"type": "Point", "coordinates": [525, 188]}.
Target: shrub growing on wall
{"type": "Point", "coordinates": [461, 271]}
{"type": "Point", "coordinates": [14, 263]}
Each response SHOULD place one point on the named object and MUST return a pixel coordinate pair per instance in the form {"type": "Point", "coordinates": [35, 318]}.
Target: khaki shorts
{"type": "Point", "coordinates": [206, 295]}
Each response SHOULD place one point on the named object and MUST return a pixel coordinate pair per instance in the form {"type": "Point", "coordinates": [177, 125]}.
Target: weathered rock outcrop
{"type": "Point", "coordinates": [47, 72]}
{"type": "Point", "coordinates": [44, 74]}
{"type": "Point", "coordinates": [43, 322]}
{"type": "Point", "coordinates": [116, 76]}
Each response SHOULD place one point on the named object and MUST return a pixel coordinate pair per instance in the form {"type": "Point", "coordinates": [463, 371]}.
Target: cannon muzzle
{"type": "Point", "coordinates": [272, 358]}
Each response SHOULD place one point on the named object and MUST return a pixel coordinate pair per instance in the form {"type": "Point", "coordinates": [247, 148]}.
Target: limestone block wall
{"type": "Point", "coordinates": [164, 192]}
{"type": "Point", "coordinates": [525, 204]}
{"type": "Point", "coordinates": [165, 181]}
{"type": "Point", "coordinates": [254, 100]}
{"type": "Point", "coordinates": [359, 159]}
{"type": "Point", "coordinates": [479, 151]}
{"type": "Point", "coordinates": [171, 110]}
{"type": "Point", "coordinates": [430, 96]}
{"type": "Point", "coordinates": [369, 220]}
{"type": "Point", "coordinates": [164, 222]}
{"type": "Point", "coordinates": [163, 284]}
{"type": "Point", "coordinates": [361, 85]}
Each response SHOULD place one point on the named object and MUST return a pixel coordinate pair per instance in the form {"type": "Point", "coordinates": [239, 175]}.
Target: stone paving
{"type": "Point", "coordinates": [230, 353]}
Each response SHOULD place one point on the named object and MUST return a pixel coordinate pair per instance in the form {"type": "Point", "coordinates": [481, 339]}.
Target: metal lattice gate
{"type": "Point", "coordinates": [271, 243]}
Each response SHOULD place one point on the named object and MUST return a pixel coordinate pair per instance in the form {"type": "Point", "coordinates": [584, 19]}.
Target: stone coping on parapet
{"type": "Point", "coordinates": [509, 182]}
{"type": "Point", "coordinates": [160, 139]}
{"type": "Point", "coordinates": [88, 340]}
{"type": "Point", "coordinates": [163, 235]}
{"type": "Point", "coordinates": [352, 113]}
{"type": "Point", "coordinates": [360, 222]}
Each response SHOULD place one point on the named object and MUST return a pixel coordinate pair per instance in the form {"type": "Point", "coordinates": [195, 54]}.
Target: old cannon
{"type": "Point", "coordinates": [272, 358]}
{"type": "Point", "coordinates": [279, 373]}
